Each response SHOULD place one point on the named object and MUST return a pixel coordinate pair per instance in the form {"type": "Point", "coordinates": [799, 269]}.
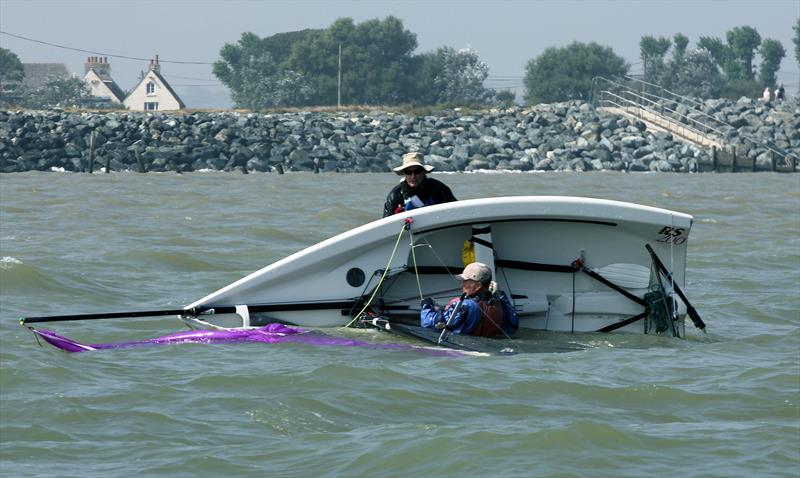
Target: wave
{"type": "Point", "coordinates": [16, 276]}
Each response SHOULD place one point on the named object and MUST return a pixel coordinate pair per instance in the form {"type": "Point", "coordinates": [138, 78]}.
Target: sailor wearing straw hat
{"type": "Point", "coordinates": [416, 189]}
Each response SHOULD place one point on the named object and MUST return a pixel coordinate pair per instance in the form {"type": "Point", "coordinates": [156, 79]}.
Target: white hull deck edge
{"type": "Point", "coordinates": [569, 264]}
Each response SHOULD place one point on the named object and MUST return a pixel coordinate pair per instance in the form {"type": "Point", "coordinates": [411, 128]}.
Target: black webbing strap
{"type": "Point", "coordinates": [594, 275]}
{"type": "Point", "coordinates": [533, 266]}
{"type": "Point", "coordinates": [623, 323]}
{"type": "Point", "coordinates": [483, 242]}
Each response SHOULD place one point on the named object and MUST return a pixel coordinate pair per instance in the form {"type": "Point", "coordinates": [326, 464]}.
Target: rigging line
{"type": "Point", "coordinates": [112, 55]}
{"type": "Point", "coordinates": [363, 291]}
{"type": "Point", "coordinates": [672, 268]}
{"type": "Point", "coordinates": [438, 258]}
{"type": "Point", "coordinates": [510, 297]}
{"type": "Point", "coordinates": [436, 294]}
{"type": "Point", "coordinates": [414, 259]}
{"type": "Point", "coordinates": [383, 276]}
{"type": "Point", "coordinates": [573, 303]}
{"type": "Point", "coordinates": [508, 285]}
{"type": "Point", "coordinates": [191, 78]}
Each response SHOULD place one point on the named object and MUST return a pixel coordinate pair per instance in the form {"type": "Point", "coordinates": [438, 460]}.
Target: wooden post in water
{"type": "Point", "coordinates": [733, 160]}
{"type": "Point", "coordinates": [91, 152]}
{"type": "Point", "coordinates": [142, 169]}
{"type": "Point", "coordinates": [714, 160]}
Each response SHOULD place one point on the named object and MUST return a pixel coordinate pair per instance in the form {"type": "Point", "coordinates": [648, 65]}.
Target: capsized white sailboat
{"type": "Point", "coordinates": [568, 263]}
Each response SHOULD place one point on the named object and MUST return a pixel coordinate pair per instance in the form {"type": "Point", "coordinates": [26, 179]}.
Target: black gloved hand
{"type": "Point", "coordinates": [427, 302]}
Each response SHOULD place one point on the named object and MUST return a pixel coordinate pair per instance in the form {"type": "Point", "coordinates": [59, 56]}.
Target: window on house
{"type": "Point", "coordinates": [151, 106]}
{"type": "Point", "coordinates": [151, 88]}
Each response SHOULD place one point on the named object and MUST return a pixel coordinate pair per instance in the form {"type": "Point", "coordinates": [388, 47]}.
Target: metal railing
{"type": "Point", "coordinates": [635, 95]}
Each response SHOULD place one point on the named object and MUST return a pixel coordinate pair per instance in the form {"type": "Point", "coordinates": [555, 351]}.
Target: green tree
{"type": "Point", "coordinates": [718, 50]}
{"type": "Point", "coordinates": [680, 41]}
{"type": "Point", "coordinates": [254, 71]}
{"type": "Point", "coordinates": [691, 72]}
{"type": "Point", "coordinates": [696, 75]}
{"type": "Point", "coordinates": [772, 53]}
{"type": "Point", "coordinates": [653, 51]}
{"type": "Point", "coordinates": [260, 84]}
{"type": "Point", "coordinates": [566, 73]}
{"type": "Point", "coordinates": [743, 42]}
{"type": "Point", "coordinates": [375, 56]}
{"type": "Point", "coordinates": [10, 68]}
{"type": "Point", "coordinates": [505, 98]}
{"type": "Point", "coordinates": [61, 91]}
{"type": "Point", "coordinates": [735, 59]}
{"type": "Point", "coordinates": [450, 76]}
{"type": "Point", "coordinates": [796, 41]}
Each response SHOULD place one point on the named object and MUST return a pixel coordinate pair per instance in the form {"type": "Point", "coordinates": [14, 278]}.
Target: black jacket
{"type": "Point", "coordinates": [430, 191]}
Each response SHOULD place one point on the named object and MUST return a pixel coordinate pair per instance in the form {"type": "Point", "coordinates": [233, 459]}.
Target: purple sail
{"type": "Point", "coordinates": [270, 334]}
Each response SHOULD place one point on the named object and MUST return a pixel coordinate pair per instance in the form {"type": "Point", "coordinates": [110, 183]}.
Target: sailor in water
{"type": "Point", "coordinates": [481, 310]}
{"type": "Point", "coordinates": [416, 189]}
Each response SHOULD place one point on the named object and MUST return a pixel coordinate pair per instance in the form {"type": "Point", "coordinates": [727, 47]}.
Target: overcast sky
{"type": "Point", "coordinates": [505, 33]}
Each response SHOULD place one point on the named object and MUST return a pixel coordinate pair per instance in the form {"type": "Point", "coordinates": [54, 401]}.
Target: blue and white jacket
{"type": "Point", "coordinates": [487, 316]}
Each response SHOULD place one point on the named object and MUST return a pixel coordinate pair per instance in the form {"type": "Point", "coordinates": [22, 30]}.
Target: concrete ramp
{"type": "Point", "coordinates": [656, 122]}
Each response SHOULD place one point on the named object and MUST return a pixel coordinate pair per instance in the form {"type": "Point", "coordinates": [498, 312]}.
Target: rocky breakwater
{"type": "Point", "coordinates": [568, 136]}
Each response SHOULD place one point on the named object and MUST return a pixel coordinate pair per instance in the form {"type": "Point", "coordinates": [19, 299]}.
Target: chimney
{"type": "Point", "coordinates": [154, 66]}
{"type": "Point", "coordinates": [99, 64]}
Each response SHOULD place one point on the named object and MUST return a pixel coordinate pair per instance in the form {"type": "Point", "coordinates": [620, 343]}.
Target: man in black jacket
{"type": "Point", "coordinates": [416, 189]}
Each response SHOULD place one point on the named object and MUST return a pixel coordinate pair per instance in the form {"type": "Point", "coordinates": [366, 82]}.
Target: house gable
{"type": "Point", "coordinates": [98, 78]}
{"type": "Point", "coordinates": [103, 88]}
{"type": "Point", "coordinates": [153, 93]}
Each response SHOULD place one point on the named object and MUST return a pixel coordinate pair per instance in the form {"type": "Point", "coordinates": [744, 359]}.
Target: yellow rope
{"type": "Point", "coordinates": [378, 286]}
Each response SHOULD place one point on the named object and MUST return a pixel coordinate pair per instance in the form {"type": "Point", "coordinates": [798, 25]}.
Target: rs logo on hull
{"type": "Point", "coordinates": [671, 235]}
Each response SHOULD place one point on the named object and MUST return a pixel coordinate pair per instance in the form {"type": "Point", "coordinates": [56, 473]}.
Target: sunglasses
{"type": "Point", "coordinates": [409, 172]}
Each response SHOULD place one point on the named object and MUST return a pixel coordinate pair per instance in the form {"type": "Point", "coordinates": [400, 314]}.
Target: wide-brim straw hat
{"type": "Point", "coordinates": [410, 160]}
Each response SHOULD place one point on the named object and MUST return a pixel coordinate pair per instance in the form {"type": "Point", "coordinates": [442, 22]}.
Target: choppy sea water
{"type": "Point", "coordinates": [725, 404]}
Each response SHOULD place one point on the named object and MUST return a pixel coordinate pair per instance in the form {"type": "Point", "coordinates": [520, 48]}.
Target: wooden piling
{"type": "Point", "coordinates": [714, 160]}
{"type": "Point", "coordinates": [142, 168]}
{"type": "Point", "coordinates": [91, 153]}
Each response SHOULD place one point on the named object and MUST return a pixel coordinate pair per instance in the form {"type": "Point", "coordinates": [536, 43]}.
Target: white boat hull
{"type": "Point", "coordinates": [530, 241]}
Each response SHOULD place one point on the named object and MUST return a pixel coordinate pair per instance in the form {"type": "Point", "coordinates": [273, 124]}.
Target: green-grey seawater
{"type": "Point", "coordinates": [725, 404]}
